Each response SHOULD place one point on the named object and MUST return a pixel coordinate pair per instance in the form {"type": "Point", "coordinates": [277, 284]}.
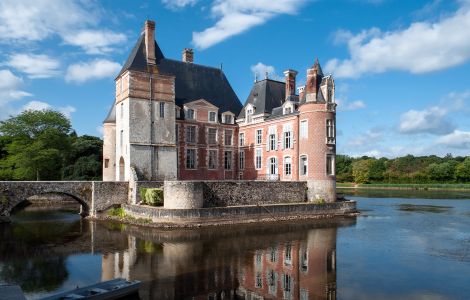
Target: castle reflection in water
{"type": "Point", "coordinates": [282, 262]}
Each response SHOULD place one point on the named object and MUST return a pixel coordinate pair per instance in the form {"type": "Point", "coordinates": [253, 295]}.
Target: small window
{"type": "Point", "coordinates": [258, 159]}
{"type": "Point", "coordinates": [259, 136]}
{"type": "Point", "coordinates": [303, 129]}
{"type": "Point", "coordinates": [330, 165]}
{"type": "Point", "coordinates": [106, 162]}
{"type": "Point", "coordinates": [212, 161]}
{"type": "Point", "coordinates": [212, 116]}
{"type": "Point", "coordinates": [288, 165]}
{"type": "Point", "coordinates": [121, 138]}
{"type": "Point", "coordinates": [176, 132]}
{"type": "Point", "coordinates": [190, 114]}
{"type": "Point", "coordinates": [330, 128]}
{"type": "Point", "coordinates": [303, 165]}
{"type": "Point", "coordinates": [228, 160]}
{"type": "Point", "coordinates": [212, 135]}
{"type": "Point", "coordinates": [249, 115]}
{"type": "Point", "coordinates": [228, 137]}
{"type": "Point", "coordinates": [228, 119]}
{"type": "Point", "coordinates": [122, 110]}
{"type": "Point", "coordinates": [191, 134]}
{"type": "Point", "coordinates": [241, 139]}
{"type": "Point", "coordinates": [162, 109]}
{"type": "Point", "coordinates": [287, 110]}
{"type": "Point", "coordinates": [190, 158]}
{"type": "Point", "coordinates": [241, 160]}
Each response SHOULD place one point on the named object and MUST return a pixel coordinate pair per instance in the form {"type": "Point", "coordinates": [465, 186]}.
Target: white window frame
{"type": "Point", "coordinates": [276, 165]}
{"type": "Point", "coordinates": [284, 163]}
{"type": "Point", "coordinates": [303, 135]}
{"type": "Point", "coordinates": [186, 113]}
{"type": "Point", "coordinates": [209, 167]}
{"type": "Point", "coordinates": [232, 117]}
{"type": "Point", "coordinates": [260, 167]}
{"type": "Point", "coordinates": [331, 164]}
{"type": "Point", "coordinates": [194, 159]}
{"type": "Point", "coordinates": [186, 134]}
{"type": "Point", "coordinates": [260, 141]}
{"type": "Point", "coordinates": [301, 166]}
{"type": "Point", "coordinates": [230, 162]}
{"type": "Point", "coordinates": [209, 116]}
{"type": "Point", "coordinates": [225, 137]}
{"type": "Point", "coordinates": [216, 136]}
{"type": "Point", "coordinates": [241, 160]}
{"type": "Point", "coordinates": [241, 139]}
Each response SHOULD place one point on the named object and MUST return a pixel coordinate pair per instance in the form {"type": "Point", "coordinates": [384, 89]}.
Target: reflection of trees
{"type": "Point", "coordinates": [42, 273]}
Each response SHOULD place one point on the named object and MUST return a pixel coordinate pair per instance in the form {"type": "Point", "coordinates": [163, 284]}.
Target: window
{"type": "Point", "coordinates": [241, 160]}
{"type": "Point", "coordinates": [122, 110]}
{"type": "Point", "coordinates": [241, 139]}
{"type": "Point", "coordinates": [330, 128]}
{"type": "Point", "coordinates": [272, 142]}
{"type": "Point", "coordinates": [288, 255]}
{"type": "Point", "coordinates": [228, 119]}
{"type": "Point", "coordinates": [272, 165]}
{"type": "Point", "coordinates": [272, 255]}
{"type": "Point", "coordinates": [259, 136]}
{"type": "Point", "coordinates": [303, 260]}
{"type": "Point", "coordinates": [330, 96]}
{"type": "Point", "coordinates": [287, 140]}
{"type": "Point", "coordinates": [259, 280]}
{"type": "Point", "coordinates": [106, 162]}
{"type": "Point", "coordinates": [258, 159]}
{"type": "Point", "coordinates": [177, 112]}
{"type": "Point", "coordinates": [162, 109]}
{"type": "Point", "coordinates": [212, 116]}
{"type": "Point", "coordinates": [303, 129]}
{"type": "Point", "coordinates": [249, 114]}
{"type": "Point", "coordinates": [176, 133]}
{"type": "Point", "coordinates": [191, 134]}
{"type": "Point", "coordinates": [228, 160]}
{"type": "Point", "coordinates": [121, 138]}
{"type": "Point", "coordinates": [190, 114]}
{"type": "Point", "coordinates": [212, 135]}
{"type": "Point", "coordinates": [287, 110]}
{"type": "Point", "coordinates": [228, 138]}
{"type": "Point", "coordinates": [286, 283]}
{"type": "Point", "coordinates": [303, 165]}
{"type": "Point", "coordinates": [330, 165]}
{"type": "Point", "coordinates": [212, 162]}
{"type": "Point", "coordinates": [190, 158]}
{"type": "Point", "coordinates": [288, 165]}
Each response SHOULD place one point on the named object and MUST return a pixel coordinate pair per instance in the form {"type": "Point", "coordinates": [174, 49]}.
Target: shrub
{"type": "Point", "coordinates": [153, 197]}
{"type": "Point", "coordinates": [117, 212]}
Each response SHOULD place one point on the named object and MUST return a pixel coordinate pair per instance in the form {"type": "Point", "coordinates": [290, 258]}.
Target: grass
{"type": "Point", "coordinates": [418, 186]}
{"type": "Point", "coordinates": [121, 213]}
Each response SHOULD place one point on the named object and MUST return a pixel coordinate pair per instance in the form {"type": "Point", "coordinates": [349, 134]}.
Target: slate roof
{"type": "Point", "coordinates": [265, 95]}
{"type": "Point", "coordinates": [111, 117]}
{"type": "Point", "coordinates": [192, 81]}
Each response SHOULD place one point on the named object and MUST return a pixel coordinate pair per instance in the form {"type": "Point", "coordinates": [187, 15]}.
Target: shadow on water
{"type": "Point", "coordinates": [424, 208]}
{"type": "Point", "coordinates": [413, 194]}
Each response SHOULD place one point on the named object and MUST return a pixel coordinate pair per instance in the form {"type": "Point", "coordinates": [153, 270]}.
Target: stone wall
{"type": "Point", "coordinates": [146, 184]}
{"type": "Point", "coordinates": [107, 194]}
{"type": "Point", "coordinates": [233, 193]}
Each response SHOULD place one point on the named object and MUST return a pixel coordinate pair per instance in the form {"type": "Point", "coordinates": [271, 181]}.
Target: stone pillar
{"type": "Point", "coordinates": [183, 194]}
{"type": "Point", "coordinates": [321, 189]}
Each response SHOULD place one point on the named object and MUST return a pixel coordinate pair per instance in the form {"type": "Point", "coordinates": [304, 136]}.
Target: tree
{"type": "Point", "coordinates": [462, 171]}
{"type": "Point", "coordinates": [84, 160]}
{"type": "Point", "coordinates": [361, 170]}
{"type": "Point", "coordinates": [39, 144]}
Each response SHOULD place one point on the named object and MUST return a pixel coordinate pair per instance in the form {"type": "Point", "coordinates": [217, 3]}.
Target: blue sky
{"type": "Point", "coordinates": [402, 68]}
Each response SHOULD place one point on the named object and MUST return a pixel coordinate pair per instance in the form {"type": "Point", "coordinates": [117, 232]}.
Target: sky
{"type": "Point", "coordinates": [401, 68]}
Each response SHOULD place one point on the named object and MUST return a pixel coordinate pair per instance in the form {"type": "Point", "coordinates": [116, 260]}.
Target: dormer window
{"type": "Point", "coordinates": [212, 116]}
{"type": "Point", "coordinates": [287, 110]}
{"type": "Point", "coordinates": [228, 119]}
{"type": "Point", "coordinates": [190, 114]}
{"type": "Point", "coordinates": [249, 114]}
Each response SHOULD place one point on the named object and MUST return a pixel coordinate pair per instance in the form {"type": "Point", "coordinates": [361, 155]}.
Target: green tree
{"type": "Point", "coordinates": [40, 142]}
{"type": "Point", "coordinates": [84, 160]}
{"type": "Point", "coordinates": [344, 168]}
{"type": "Point", "coordinates": [361, 170]}
{"type": "Point", "coordinates": [462, 171]}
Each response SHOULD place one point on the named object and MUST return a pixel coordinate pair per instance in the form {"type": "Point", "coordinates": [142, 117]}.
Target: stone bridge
{"type": "Point", "coordinates": [93, 196]}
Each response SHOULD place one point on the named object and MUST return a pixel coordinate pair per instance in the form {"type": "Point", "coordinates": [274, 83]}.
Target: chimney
{"type": "Point", "coordinates": [314, 77]}
{"type": "Point", "coordinates": [188, 55]}
{"type": "Point", "coordinates": [289, 76]}
{"type": "Point", "coordinates": [150, 41]}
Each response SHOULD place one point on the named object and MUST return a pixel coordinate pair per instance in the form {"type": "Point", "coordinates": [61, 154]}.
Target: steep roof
{"type": "Point", "coordinates": [265, 95]}
{"type": "Point", "coordinates": [192, 81]}
{"type": "Point", "coordinates": [111, 117]}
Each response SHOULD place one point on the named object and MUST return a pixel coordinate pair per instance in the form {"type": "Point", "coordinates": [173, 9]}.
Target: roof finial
{"type": "Point", "coordinates": [266, 75]}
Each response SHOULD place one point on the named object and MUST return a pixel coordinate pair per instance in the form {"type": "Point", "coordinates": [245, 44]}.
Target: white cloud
{"type": "Point", "coordinates": [95, 41]}
{"type": "Point", "coordinates": [367, 138]}
{"type": "Point", "coordinates": [420, 48]}
{"type": "Point", "coordinates": [456, 139]}
{"type": "Point", "coordinates": [96, 69]}
{"type": "Point", "coordinates": [36, 66]}
{"type": "Point", "coordinates": [432, 120]}
{"type": "Point", "coordinates": [347, 106]}
{"type": "Point", "coordinates": [178, 4]}
{"type": "Point", "coordinates": [237, 16]}
{"type": "Point", "coordinates": [10, 87]}
{"type": "Point", "coordinates": [39, 105]}
{"type": "Point", "coordinates": [261, 70]}
{"type": "Point", "coordinates": [72, 20]}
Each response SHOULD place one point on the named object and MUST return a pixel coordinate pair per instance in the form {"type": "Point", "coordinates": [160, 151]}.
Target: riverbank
{"type": "Point", "coordinates": [158, 217]}
{"type": "Point", "coordinates": [406, 186]}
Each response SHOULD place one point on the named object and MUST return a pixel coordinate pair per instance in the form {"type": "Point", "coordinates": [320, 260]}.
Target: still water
{"type": "Point", "coordinates": [402, 246]}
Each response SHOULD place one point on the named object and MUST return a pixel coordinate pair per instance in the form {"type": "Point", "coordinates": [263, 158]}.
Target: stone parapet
{"type": "Point", "coordinates": [321, 189]}
{"type": "Point", "coordinates": [183, 194]}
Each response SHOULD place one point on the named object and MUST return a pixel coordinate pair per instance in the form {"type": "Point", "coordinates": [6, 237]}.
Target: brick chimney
{"type": "Point", "coordinates": [150, 41]}
{"type": "Point", "coordinates": [314, 77]}
{"type": "Point", "coordinates": [188, 55]}
{"type": "Point", "coordinates": [289, 76]}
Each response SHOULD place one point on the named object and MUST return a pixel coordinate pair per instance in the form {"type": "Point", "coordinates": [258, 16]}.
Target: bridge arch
{"type": "Point", "coordinates": [84, 207]}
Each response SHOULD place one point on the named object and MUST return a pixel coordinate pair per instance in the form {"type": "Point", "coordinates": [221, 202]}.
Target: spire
{"type": "Point", "coordinates": [317, 67]}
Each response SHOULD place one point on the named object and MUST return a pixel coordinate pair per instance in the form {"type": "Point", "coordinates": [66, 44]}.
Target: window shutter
{"type": "Point", "coordinates": [267, 143]}
{"type": "Point", "coordinates": [277, 166]}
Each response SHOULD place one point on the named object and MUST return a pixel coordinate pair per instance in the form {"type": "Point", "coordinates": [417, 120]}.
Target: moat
{"type": "Point", "coordinates": [407, 245]}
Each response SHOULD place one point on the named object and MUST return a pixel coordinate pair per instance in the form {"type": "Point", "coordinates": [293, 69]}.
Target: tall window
{"type": "Point", "coordinates": [259, 136]}
{"type": "Point", "coordinates": [287, 140]}
{"type": "Point", "coordinates": [190, 158]}
{"type": "Point", "coordinates": [272, 142]}
{"type": "Point", "coordinates": [122, 110]}
{"type": "Point", "coordinates": [191, 134]}
{"type": "Point", "coordinates": [241, 160]}
{"type": "Point", "coordinates": [330, 128]}
{"type": "Point", "coordinates": [228, 160]}
{"type": "Point", "coordinates": [249, 114]}
{"type": "Point", "coordinates": [288, 254]}
{"type": "Point", "coordinates": [212, 135]}
{"type": "Point", "coordinates": [121, 138]}
{"type": "Point", "coordinates": [241, 140]}
{"type": "Point", "coordinates": [258, 158]}
{"type": "Point", "coordinates": [303, 129]}
{"type": "Point", "coordinates": [228, 119]}
{"type": "Point", "coordinates": [106, 162]}
{"type": "Point", "coordinates": [288, 165]}
{"type": "Point", "coordinates": [176, 132]}
{"type": "Point", "coordinates": [330, 165]}
{"type": "Point", "coordinates": [303, 165]}
{"type": "Point", "coordinates": [228, 137]}
{"type": "Point", "coordinates": [272, 165]}
{"type": "Point", "coordinates": [330, 95]}
{"type": "Point", "coordinates": [190, 114]}
{"type": "Point", "coordinates": [162, 109]}
{"type": "Point", "coordinates": [212, 116]}
{"type": "Point", "coordinates": [212, 161]}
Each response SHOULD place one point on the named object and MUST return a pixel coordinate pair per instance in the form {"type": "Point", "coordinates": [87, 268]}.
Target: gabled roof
{"type": "Point", "coordinates": [264, 96]}
{"type": "Point", "coordinates": [192, 81]}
